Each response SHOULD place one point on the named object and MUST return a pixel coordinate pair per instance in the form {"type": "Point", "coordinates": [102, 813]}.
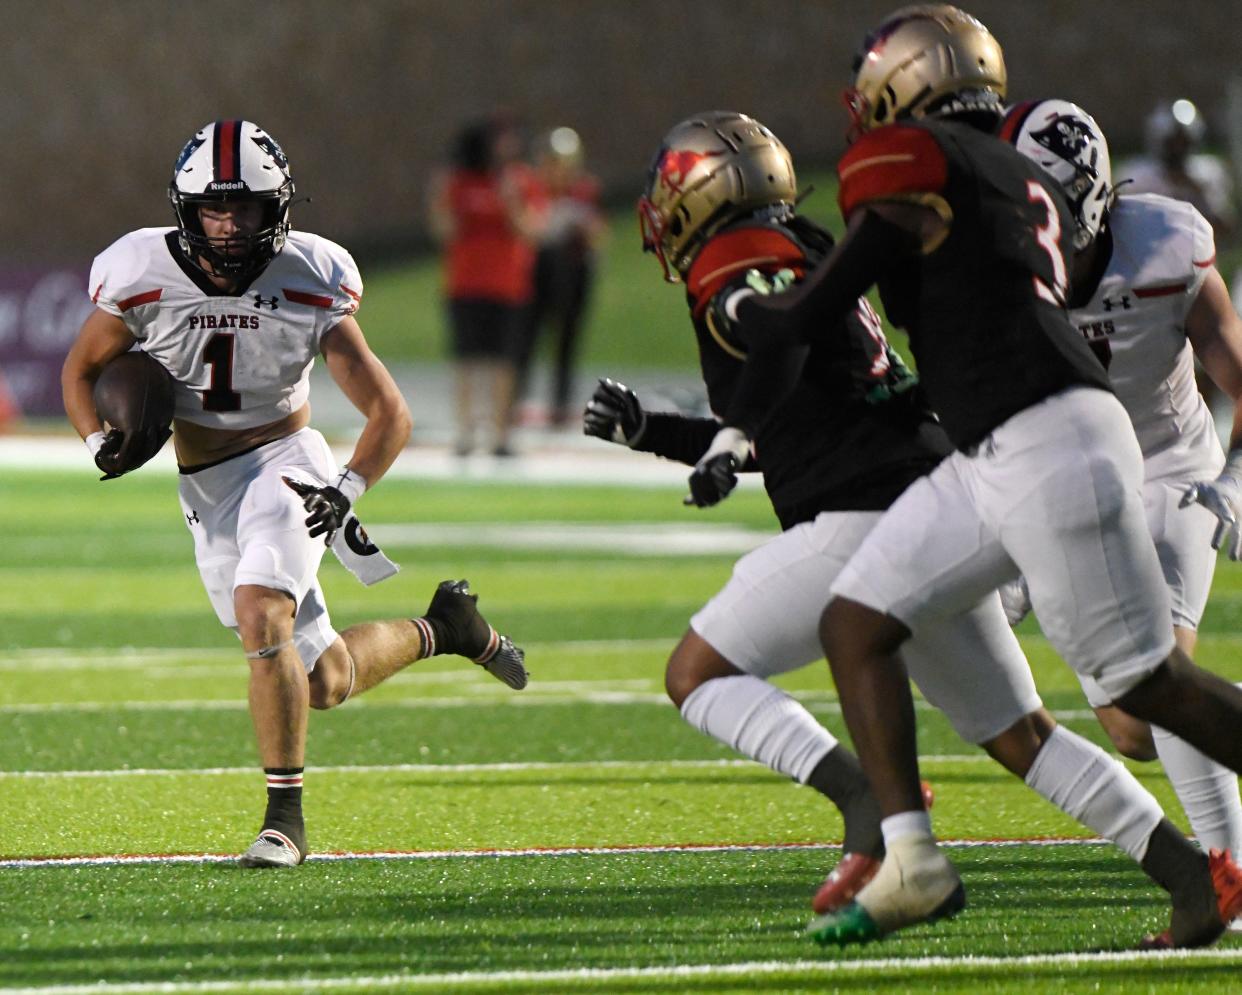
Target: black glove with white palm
{"type": "Point", "coordinates": [328, 506]}
{"type": "Point", "coordinates": [614, 414]}
{"type": "Point", "coordinates": [715, 474]}
{"type": "Point", "coordinates": [1223, 498]}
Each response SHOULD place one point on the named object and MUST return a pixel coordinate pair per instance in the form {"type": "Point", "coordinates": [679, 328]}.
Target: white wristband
{"type": "Point", "coordinates": [351, 485]}
{"type": "Point", "coordinates": [93, 442]}
{"type": "Point", "coordinates": [728, 440]}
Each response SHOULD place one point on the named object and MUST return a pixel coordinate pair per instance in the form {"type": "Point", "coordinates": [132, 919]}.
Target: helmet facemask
{"type": "Point", "coordinates": [230, 162]}
{"type": "Point", "coordinates": [240, 255]}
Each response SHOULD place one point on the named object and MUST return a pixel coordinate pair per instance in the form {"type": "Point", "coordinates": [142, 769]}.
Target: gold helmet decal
{"type": "Point", "coordinates": [926, 59]}
{"type": "Point", "coordinates": [709, 170]}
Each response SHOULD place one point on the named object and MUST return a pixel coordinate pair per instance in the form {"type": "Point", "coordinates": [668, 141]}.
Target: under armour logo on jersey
{"type": "Point", "coordinates": [261, 302]}
{"type": "Point", "coordinates": [1111, 303]}
{"type": "Point", "coordinates": [192, 518]}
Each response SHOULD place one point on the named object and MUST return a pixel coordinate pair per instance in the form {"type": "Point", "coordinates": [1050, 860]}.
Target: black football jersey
{"type": "Point", "coordinates": [853, 433]}
{"type": "Point", "coordinates": [985, 306]}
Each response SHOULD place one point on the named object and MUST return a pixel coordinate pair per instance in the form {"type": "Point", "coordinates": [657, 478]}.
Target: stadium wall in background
{"type": "Point", "coordinates": [366, 96]}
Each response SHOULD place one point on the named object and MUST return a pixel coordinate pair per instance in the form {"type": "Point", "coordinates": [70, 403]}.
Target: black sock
{"type": "Point", "coordinates": [284, 803]}
{"type": "Point", "coordinates": [1181, 869]}
{"type": "Point", "coordinates": [840, 778]}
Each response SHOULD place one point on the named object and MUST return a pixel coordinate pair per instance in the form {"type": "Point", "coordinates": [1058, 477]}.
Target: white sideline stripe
{"type": "Point", "coordinates": [509, 766]}
{"type": "Point", "coordinates": [550, 851]}
{"type": "Point", "coordinates": [51, 658]}
{"type": "Point", "coordinates": [820, 700]}
{"type": "Point", "coordinates": [645, 539]}
{"type": "Point", "coordinates": [813, 968]}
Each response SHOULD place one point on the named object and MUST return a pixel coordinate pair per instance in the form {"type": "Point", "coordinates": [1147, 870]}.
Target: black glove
{"type": "Point", "coordinates": [328, 508]}
{"type": "Point", "coordinates": [613, 413]}
{"type": "Point", "coordinates": [120, 452]}
{"type": "Point", "coordinates": [715, 474]}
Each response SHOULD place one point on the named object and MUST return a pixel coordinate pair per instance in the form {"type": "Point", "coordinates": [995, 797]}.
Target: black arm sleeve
{"type": "Point", "coordinates": [776, 329]}
{"type": "Point", "coordinates": [681, 437]}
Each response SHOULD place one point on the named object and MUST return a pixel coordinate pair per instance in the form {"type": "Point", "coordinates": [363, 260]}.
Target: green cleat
{"type": "Point", "coordinates": [851, 924]}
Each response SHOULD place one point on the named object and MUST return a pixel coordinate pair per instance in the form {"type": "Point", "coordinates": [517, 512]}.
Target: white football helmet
{"type": "Point", "coordinates": [1066, 141]}
{"type": "Point", "coordinates": [232, 161]}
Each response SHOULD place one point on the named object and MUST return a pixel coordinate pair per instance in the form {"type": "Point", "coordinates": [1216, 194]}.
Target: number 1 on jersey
{"type": "Point", "coordinates": [218, 353]}
{"type": "Point", "coordinates": [1048, 235]}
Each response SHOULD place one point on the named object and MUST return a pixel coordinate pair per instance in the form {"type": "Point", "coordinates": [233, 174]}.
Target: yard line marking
{"type": "Point", "coordinates": [813, 968]}
{"type": "Point", "coordinates": [823, 701]}
{"type": "Point", "coordinates": [633, 539]}
{"type": "Point", "coordinates": [499, 767]}
{"type": "Point", "coordinates": [538, 851]}
{"type": "Point", "coordinates": [51, 657]}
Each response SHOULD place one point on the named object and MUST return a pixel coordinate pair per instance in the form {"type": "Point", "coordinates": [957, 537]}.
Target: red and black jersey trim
{"type": "Point", "coordinates": [147, 297]}
{"type": "Point", "coordinates": [892, 163]}
{"type": "Point", "coordinates": [226, 152]}
{"type": "Point", "coordinates": [1164, 290]}
{"type": "Point", "coordinates": [727, 256]}
{"type": "Point", "coordinates": [302, 297]}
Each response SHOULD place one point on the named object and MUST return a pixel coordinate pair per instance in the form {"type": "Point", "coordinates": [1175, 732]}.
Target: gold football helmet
{"type": "Point", "coordinates": [709, 170]}
{"type": "Point", "coordinates": [926, 59]}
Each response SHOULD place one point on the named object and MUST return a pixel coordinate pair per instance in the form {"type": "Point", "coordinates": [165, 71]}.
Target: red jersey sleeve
{"type": "Point", "coordinates": [897, 162]}
{"type": "Point", "coordinates": [728, 256]}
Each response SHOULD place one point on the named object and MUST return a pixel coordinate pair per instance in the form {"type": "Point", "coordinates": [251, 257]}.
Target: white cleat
{"type": "Point", "coordinates": [271, 849]}
{"type": "Point", "coordinates": [915, 883]}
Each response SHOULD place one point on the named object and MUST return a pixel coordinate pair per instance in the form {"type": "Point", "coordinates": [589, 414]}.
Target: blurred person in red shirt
{"type": "Point", "coordinates": [485, 211]}
{"type": "Point", "coordinates": [565, 266]}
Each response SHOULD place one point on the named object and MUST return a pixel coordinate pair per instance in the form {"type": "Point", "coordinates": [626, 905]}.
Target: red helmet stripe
{"type": "Point", "coordinates": [1014, 119]}
{"type": "Point", "coordinates": [227, 151]}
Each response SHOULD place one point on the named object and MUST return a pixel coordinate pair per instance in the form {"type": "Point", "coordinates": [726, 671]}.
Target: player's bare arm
{"type": "Point", "coordinates": [1215, 333]}
{"type": "Point", "coordinates": [371, 389]}
{"type": "Point", "coordinates": [103, 337]}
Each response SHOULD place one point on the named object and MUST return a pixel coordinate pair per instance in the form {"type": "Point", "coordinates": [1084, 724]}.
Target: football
{"type": "Point", "coordinates": [135, 394]}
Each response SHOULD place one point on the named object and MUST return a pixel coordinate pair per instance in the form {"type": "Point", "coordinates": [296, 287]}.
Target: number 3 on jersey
{"type": "Point", "coordinates": [218, 353]}
{"type": "Point", "coordinates": [1048, 235]}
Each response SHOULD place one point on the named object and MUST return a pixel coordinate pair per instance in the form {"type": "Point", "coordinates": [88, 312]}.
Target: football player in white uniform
{"type": "Point", "coordinates": [1149, 300]}
{"type": "Point", "coordinates": [236, 306]}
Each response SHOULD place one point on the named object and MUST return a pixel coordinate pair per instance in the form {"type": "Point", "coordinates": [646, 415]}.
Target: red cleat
{"type": "Point", "coordinates": [847, 879]}
{"type": "Point", "coordinates": [853, 871]}
{"type": "Point", "coordinates": [1227, 882]}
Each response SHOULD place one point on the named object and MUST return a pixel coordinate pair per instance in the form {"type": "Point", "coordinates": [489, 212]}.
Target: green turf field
{"type": "Point", "coordinates": [576, 836]}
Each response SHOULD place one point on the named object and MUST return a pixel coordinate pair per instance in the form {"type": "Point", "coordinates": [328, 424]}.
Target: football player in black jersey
{"type": "Point", "coordinates": [967, 242]}
{"type": "Point", "coordinates": [834, 454]}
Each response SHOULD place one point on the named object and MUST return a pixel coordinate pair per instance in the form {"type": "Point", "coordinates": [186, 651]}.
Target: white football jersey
{"type": "Point", "coordinates": [1162, 250]}
{"type": "Point", "coordinates": [239, 359]}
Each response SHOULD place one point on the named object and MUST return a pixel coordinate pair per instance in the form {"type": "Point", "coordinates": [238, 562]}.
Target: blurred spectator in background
{"type": "Point", "coordinates": [1172, 167]}
{"type": "Point", "coordinates": [564, 270]}
{"type": "Point", "coordinates": [484, 210]}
